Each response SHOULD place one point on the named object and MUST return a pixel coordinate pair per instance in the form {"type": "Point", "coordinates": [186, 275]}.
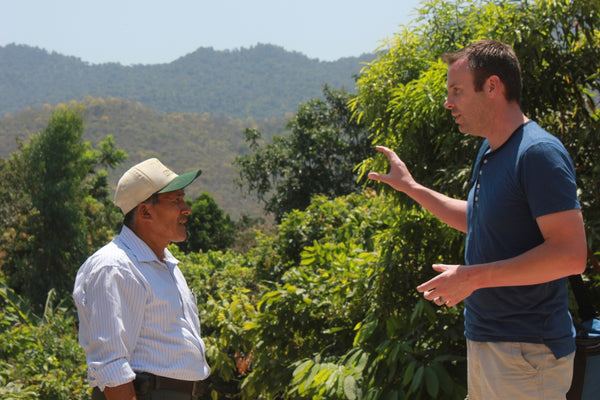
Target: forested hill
{"type": "Point", "coordinates": [183, 141]}
{"type": "Point", "coordinates": [263, 81]}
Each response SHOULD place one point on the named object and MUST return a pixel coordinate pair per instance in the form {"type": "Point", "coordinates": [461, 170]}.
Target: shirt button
{"type": "Point", "coordinates": [485, 161]}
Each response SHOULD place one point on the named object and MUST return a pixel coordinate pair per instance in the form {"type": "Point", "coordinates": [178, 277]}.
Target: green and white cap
{"type": "Point", "coordinates": [146, 178]}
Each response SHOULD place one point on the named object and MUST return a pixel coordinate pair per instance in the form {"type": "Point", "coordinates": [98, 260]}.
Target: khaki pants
{"type": "Point", "coordinates": [516, 371]}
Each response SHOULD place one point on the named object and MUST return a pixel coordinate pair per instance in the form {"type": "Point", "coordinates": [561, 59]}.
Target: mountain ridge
{"type": "Point", "coordinates": [190, 112]}
{"type": "Point", "coordinates": [263, 81]}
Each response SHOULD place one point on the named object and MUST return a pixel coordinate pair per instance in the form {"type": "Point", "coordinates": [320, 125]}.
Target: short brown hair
{"type": "Point", "coordinates": [490, 57]}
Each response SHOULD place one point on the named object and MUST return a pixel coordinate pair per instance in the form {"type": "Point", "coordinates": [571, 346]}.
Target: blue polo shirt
{"type": "Point", "coordinates": [529, 176]}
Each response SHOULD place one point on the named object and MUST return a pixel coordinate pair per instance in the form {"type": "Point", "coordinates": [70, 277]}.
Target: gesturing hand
{"type": "Point", "coordinates": [450, 287]}
{"type": "Point", "coordinates": [399, 177]}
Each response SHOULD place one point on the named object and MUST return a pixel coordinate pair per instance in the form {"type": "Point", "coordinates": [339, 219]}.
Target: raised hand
{"type": "Point", "coordinates": [399, 177]}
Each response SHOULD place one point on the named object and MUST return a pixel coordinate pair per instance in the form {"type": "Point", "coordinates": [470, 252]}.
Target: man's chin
{"type": "Point", "coordinates": [181, 238]}
{"type": "Point", "coordinates": [465, 130]}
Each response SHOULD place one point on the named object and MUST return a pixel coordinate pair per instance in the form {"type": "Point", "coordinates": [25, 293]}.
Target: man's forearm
{"type": "Point", "coordinates": [452, 212]}
{"type": "Point", "coordinates": [563, 253]}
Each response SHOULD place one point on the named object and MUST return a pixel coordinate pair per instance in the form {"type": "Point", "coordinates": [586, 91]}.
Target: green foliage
{"type": "Point", "coordinates": [339, 283]}
{"type": "Point", "coordinates": [318, 303]}
{"type": "Point", "coordinates": [327, 307]}
{"type": "Point", "coordinates": [227, 291]}
{"type": "Point", "coordinates": [40, 357]}
{"type": "Point", "coordinates": [54, 177]}
{"type": "Point", "coordinates": [338, 322]}
{"type": "Point", "coordinates": [249, 230]}
{"type": "Point", "coordinates": [401, 346]}
{"type": "Point", "coordinates": [208, 227]}
{"type": "Point", "coordinates": [401, 94]}
{"type": "Point", "coordinates": [339, 220]}
{"type": "Point", "coordinates": [433, 335]}
{"type": "Point", "coordinates": [316, 158]}
{"type": "Point", "coordinates": [319, 298]}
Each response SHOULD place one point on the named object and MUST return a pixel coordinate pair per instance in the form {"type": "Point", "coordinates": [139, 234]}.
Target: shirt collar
{"type": "Point", "coordinates": [141, 250]}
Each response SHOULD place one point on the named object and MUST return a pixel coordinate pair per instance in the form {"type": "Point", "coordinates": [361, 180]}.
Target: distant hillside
{"type": "Point", "coordinates": [264, 81]}
{"type": "Point", "coordinates": [183, 141]}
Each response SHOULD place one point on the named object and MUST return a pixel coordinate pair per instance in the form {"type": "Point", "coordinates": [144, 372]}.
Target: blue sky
{"type": "Point", "coordinates": [152, 31]}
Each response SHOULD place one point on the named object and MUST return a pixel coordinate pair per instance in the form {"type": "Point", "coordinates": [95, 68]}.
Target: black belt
{"type": "Point", "coordinates": [145, 382]}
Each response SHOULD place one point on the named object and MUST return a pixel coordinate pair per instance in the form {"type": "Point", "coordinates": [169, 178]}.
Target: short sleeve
{"type": "Point", "coordinates": [547, 177]}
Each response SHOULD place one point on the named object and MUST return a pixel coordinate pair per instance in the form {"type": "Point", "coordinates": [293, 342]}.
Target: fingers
{"type": "Point", "coordinates": [382, 149]}
{"type": "Point", "coordinates": [440, 301]}
{"type": "Point", "coordinates": [393, 175]}
{"type": "Point", "coordinates": [374, 176]}
{"type": "Point", "coordinates": [433, 282]}
{"type": "Point", "coordinates": [428, 286]}
{"type": "Point", "coordinates": [439, 267]}
{"type": "Point", "coordinates": [390, 154]}
{"type": "Point", "coordinates": [433, 294]}
{"type": "Point", "coordinates": [435, 290]}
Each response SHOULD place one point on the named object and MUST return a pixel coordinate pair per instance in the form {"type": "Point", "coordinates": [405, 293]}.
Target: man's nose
{"type": "Point", "coordinates": [448, 104]}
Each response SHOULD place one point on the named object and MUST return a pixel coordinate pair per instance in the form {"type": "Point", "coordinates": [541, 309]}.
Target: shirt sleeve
{"type": "Point", "coordinates": [115, 300]}
{"type": "Point", "coordinates": [548, 178]}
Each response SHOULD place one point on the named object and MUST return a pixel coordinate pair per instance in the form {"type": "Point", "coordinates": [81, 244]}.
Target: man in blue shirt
{"type": "Point", "coordinates": [525, 233]}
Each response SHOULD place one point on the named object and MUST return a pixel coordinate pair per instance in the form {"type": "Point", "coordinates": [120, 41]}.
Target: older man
{"type": "Point", "coordinates": [138, 320]}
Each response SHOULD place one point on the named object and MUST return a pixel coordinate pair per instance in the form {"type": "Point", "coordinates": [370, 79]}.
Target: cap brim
{"type": "Point", "coordinates": [181, 181]}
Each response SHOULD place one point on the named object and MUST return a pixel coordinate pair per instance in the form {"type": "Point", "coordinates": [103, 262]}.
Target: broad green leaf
{"type": "Point", "coordinates": [417, 379]}
{"type": "Point", "coordinates": [409, 373]}
{"type": "Point", "coordinates": [432, 382]}
{"type": "Point", "coordinates": [350, 388]}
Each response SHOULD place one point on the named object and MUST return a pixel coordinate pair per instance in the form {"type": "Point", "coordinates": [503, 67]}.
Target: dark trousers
{"type": "Point", "coordinates": [152, 394]}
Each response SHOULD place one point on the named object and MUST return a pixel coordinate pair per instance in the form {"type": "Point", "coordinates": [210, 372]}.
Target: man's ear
{"type": "Point", "coordinates": [493, 86]}
{"type": "Point", "coordinates": [144, 211]}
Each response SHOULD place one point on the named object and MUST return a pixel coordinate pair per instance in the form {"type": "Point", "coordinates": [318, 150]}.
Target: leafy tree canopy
{"type": "Point", "coordinates": [401, 94]}
{"type": "Point", "coordinates": [208, 227]}
{"type": "Point", "coordinates": [56, 208]}
{"type": "Point", "coordinates": [317, 157]}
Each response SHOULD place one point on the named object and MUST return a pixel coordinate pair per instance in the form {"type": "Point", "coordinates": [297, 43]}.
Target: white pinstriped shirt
{"type": "Point", "coordinates": [137, 313]}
